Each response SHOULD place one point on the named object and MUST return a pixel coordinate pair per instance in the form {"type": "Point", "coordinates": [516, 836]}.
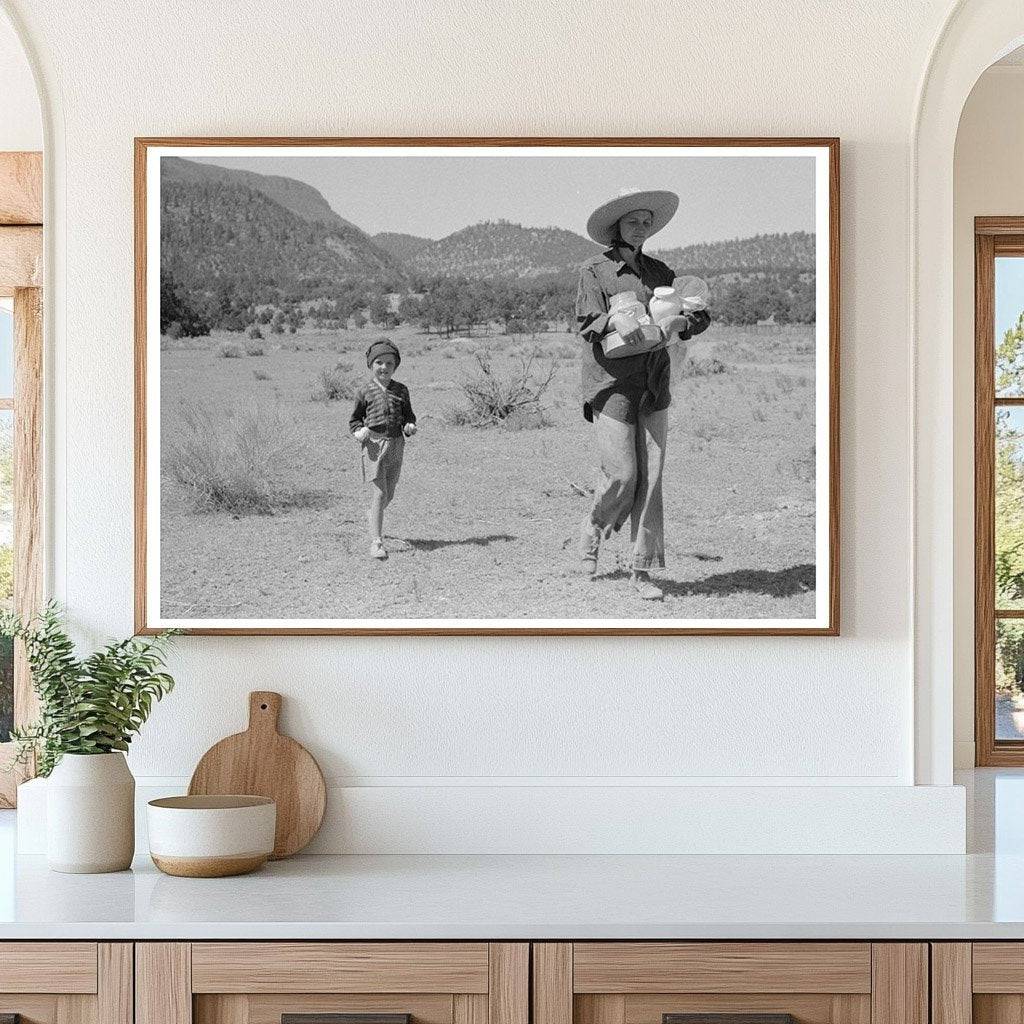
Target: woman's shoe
{"type": "Point", "coordinates": [377, 549]}
{"type": "Point", "coordinates": [646, 590]}
{"type": "Point", "coordinates": [590, 543]}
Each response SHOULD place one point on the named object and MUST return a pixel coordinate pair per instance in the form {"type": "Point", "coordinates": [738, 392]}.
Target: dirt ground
{"type": "Point", "coordinates": [485, 521]}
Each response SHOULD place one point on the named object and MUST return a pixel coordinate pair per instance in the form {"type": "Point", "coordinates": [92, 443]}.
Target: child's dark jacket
{"type": "Point", "coordinates": [384, 411]}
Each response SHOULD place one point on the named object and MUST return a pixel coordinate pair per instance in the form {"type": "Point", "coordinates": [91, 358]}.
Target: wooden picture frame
{"type": "Point", "coordinates": [824, 572]}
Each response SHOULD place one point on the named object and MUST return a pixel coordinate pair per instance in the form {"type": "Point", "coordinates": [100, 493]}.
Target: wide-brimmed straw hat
{"type": "Point", "coordinates": [601, 225]}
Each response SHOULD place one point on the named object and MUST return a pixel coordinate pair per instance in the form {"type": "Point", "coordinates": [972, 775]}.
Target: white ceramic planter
{"type": "Point", "coordinates": [90, 814]}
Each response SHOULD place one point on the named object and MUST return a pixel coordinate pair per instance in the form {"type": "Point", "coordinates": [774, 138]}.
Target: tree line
{"type": "Point", "coordinates": [448, 305]}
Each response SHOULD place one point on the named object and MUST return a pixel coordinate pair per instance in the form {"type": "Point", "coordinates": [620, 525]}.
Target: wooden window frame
{"type": "Point", "coordinates": [21, 277]}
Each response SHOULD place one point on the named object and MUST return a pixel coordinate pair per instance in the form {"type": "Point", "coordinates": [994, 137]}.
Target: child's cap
{"type": "Point", "coordinates": [382, 346]}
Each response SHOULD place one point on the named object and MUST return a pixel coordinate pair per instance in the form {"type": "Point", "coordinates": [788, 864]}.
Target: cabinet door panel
{"type": "Point", "coordinates": [807, 1008]}
{"type": "Point", "coordinates": [267, 1009]}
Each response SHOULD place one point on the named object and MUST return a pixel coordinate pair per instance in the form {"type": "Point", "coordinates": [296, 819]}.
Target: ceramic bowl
{"type": "Point", "coordinates": [211, 836]}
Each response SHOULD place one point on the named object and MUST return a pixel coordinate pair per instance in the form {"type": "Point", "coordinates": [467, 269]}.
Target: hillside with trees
{"type": "Point", "coordinates": [495, 249]}
{"type": "Point", "coordinates": [241, 250]}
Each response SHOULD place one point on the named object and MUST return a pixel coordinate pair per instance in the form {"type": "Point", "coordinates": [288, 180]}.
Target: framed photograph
{"type": "Point", "coordinates": [487, 386]}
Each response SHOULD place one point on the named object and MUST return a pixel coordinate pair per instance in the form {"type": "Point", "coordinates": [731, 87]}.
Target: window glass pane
{"type": "Point", "coordinates": [6, 348]}
{"type": "Point", "coordinates": [1009, 485]}
{"type": "Point", "coordinates": [1009, 326]}
{"type": "Point", "coordinates": [6, 567]}
{"type": "Point", "coordinates": [1009, 679]}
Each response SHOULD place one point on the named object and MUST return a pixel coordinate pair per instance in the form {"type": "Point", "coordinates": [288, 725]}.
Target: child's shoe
{"type": "Point", "coordinates": [377, 549]}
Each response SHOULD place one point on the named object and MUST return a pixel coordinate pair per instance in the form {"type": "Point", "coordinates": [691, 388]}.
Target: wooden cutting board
{"type": "Point", "coordinates": [262, 762]}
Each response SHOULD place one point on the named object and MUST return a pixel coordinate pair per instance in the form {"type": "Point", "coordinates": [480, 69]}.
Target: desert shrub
{"type": "Point", "coordinates": [702, 367]}
{"type": "Point", "coordinates": [491, 398]}
{"type": "Point", "coordinates": [527, 418]}
{"type": "Point", "coordinates": [254, 348]}
{"type": "Point", "coordinates": [255, 333]}
{"type": "Point", "coordinates": [261, 374]}
{"type": "Point", "coordinates": [174, 330]}
{"type": "Point", "coordinates": [236, 461]}
{"type": "Point", "coordinates": [335, 383]}
{"type": "Point", "coordinates": [230, 350]}
{"type": "Point", "coordinates": [264, 315]}
{"type": "Point", "coordinates": [291, 328]}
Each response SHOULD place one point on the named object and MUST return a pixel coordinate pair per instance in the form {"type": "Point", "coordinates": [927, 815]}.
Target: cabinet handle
{"type": "Point", "coordinates": [728, 1018]}
{"type": "Point", "coordinates": [337, 1018]}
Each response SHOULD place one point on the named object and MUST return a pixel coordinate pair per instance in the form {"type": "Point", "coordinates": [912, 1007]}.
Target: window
{"type": "Point", "coordinates": [21, 367]}
{"type": "Point", "coordinates": [6, 510]}
{"type": "Point", "coordinates": [999, 490]}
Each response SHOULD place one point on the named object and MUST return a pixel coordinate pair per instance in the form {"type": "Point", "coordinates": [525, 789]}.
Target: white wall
{"type": "Point", "coordinates": [988, 181]}
{"type": "Point", "coordinates": [442, 713]}
{"type": "Point", "coordinates": [21, 125]}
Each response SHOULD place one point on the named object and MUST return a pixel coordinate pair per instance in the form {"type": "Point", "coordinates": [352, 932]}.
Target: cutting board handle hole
{"type": "Point", "coordinates": [263, 707]}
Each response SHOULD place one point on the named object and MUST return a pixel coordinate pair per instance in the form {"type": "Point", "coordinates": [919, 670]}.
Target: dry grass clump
{"type": "Point", "coordinates": [336, 383]}
{"type": "Point", "coordinates": [511, 400]}
{"type": "Point", "coordinates": [701, 367]}
{"type": "Point", "coordinates": [237, 461]}
{"type": "Point", "coordinates": [255, 348]}
{"type": "Point", "coordinates": [230, 350]}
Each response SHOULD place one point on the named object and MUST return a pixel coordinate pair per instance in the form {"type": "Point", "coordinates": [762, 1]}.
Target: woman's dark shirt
{"type": "Point", "coordinates": [601, 277]}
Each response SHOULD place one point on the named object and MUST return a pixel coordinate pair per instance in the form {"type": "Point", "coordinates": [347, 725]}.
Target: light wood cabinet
{"type": "Point", "coordinates": [979, 982]}
{"type": "Point", "coordinates": [260, 982]}
{"type": "Point", "coordinates": [66, 982]}
{"type": "Point", "coordinates": [494, 983]}
{"type": "Point", "coordinates": [815, 982]}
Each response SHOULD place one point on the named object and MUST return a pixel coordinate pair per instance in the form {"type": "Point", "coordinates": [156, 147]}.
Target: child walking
{"type": "Point", "coordinates": [381, 421]}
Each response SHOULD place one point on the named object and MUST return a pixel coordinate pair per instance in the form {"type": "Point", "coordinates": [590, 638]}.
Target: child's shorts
{"type": "Point", "coordinates": [382, 462]}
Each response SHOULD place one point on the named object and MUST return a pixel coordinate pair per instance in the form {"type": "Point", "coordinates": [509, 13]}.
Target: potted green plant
{"type": "Point", "coordinates": [89, 710]}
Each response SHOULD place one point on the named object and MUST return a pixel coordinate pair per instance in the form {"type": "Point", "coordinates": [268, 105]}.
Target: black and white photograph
{"type": "Point", "coordinates": [449, 386]}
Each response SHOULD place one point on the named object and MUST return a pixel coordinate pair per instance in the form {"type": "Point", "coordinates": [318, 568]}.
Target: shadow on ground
{"type": "Point", "coordinates": [478, 542]}
{"type": "Point", "coordinates": [797, 579]}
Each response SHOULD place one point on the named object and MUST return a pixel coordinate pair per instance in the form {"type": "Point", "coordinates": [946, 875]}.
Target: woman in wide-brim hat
{"type": "Point", "coordinates": [627, 398]}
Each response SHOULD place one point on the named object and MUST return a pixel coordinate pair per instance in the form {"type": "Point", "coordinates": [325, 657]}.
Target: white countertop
{"type": "Point", "coordinates": [977, 896]}
{"type": "Point", "coordinates": [532, 897]}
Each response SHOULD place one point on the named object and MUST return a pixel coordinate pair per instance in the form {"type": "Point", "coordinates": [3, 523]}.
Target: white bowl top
{"type": "Point", "coordinates": [212, 802]}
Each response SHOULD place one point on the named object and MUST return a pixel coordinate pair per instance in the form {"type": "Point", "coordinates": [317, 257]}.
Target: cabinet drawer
{"type": "Point", "coordinates": [66, 982]}
{"type": "Point", "coordinates": [752, 982]}
{"type": "Point", "coordinates": [48, 967]}
{"type": "Point", "coordinates": [339, 967]}
{"type": "Point", "coordinates": [630, 967]}
{"type": "Point", "coordinates": [260, 982]}
{"type": "Point", "coordinates": [981, 982]}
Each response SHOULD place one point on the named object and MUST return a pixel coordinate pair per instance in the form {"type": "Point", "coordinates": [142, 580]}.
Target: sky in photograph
{"type": "Point", "coordinates": [720, 197]}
